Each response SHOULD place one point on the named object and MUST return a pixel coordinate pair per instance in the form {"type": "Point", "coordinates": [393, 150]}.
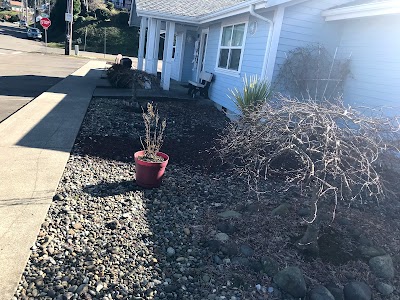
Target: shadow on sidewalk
{"type": "Point", "coordinates": [58, 128]}
{"type": "Point", "coordinates": [26, 85]}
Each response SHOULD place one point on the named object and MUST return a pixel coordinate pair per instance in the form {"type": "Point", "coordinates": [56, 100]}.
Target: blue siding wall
{"type": "Point", "coordinates": [374, 45]}
{"type": "Point", "coordinates": [253, 58]}
{"type": "Point", "coordinates": [191, 37]}
{"type": "Point", "coordinates": [303, 25]}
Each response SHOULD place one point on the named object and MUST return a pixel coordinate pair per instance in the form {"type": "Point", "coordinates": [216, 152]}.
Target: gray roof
{"type": "Point", "coordinates": [187, 8]}
{"type": "Point", "coordinates": [358, 2]}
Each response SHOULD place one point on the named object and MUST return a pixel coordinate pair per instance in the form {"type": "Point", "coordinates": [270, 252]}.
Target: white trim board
{"type": "Point", "coordinates": [225, 13]}
{"type": "Point", "coordinates": [363, 10]}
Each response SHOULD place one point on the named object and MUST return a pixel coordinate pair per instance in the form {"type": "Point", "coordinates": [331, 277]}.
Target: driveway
{"type": "Point", "coordinates": [25, 73]}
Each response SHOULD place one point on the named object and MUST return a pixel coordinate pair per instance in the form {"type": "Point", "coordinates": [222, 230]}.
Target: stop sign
{"type": "Point", "coordinates": [45, 22]}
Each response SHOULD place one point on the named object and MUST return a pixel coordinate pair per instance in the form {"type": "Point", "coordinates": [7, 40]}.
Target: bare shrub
{"type": "Point", "coordinates": [154, 134]}
{"type": "Point", "coordinates": [123, 77]}
{"type": "Point", "coordinates": [325, 148]}
{"type": "Point", "coordinates": [311, 72]}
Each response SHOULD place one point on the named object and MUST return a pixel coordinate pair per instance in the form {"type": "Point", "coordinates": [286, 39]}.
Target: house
{"type": "Point", "coordinates": [370, 34]}
{"type": "Point", "coordinates": [122, 4]}
{"type": "Point", "coordinates": [234, 38]}
{"type": "Point", "coordinates": [15, 5]}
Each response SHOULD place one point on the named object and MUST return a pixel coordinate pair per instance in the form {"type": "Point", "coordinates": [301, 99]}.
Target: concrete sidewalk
{"type": "Point", "coordinates": [35, 145]}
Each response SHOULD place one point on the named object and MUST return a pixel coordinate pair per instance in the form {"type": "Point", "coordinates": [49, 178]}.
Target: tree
{"type": "Point", "coordinates": [329, 150]}
{"type": "Point", "coordinates": [312, 72]}
{"type": "Point", "coordinates": [95, 4]}
{"type": "Point", "coordinates": [58, 15]}
{"type": "Point", "coordinates": [110, 5]}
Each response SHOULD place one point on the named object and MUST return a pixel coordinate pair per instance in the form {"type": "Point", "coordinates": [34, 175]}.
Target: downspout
{"type": "Point", "coordinates": [268, 46]}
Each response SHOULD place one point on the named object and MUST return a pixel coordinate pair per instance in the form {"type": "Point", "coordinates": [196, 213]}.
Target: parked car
{"type": "Point", "coordinates": [34, 33]}
{"type": "Point", "coordinates": [23, 24]}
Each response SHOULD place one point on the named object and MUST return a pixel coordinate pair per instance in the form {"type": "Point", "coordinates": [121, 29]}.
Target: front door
{"type": "Point", "coordinates": [202, 52]}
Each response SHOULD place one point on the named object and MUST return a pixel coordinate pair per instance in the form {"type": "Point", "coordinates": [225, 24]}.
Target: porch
{"type": "Point", "coordinates": [177, 53]}
{"type": "Point", "coordinates": [177, 90]}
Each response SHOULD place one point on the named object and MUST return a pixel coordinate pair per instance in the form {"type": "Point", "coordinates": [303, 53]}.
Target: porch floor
{"type": "Point", "coordinates": [178, 90]}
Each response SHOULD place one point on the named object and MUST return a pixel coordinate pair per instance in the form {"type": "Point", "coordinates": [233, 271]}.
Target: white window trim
{"type": "Point", "coordinates": [227, 71]}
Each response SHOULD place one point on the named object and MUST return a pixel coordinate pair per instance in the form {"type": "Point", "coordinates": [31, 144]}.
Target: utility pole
{"type": "Point", "coordinates": [68, 30]}
{"type": "Point", "coordinates": [70, 24]}
{"type": "Point", "coordinates": [26, 12]}
{"type": "Point", "coordinates": [34, 14]}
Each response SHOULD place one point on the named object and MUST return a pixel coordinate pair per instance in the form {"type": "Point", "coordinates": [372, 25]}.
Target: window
{"type": "Point", "coordinates": [231, 47]}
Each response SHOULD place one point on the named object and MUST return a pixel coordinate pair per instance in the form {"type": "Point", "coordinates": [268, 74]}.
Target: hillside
{"type": "Point", "coordinates": [104, 26]}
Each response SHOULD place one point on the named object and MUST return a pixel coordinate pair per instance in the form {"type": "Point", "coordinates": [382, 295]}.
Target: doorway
{"type": "Point", "coordinates": [202, 52]}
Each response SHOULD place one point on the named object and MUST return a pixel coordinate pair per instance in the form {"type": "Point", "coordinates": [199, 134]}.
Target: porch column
{"type": "Point", "coordinates": [150, 47]}
{"type": "Point", "coordinates": [167, 58]}
{"type": "Point", "coordinates": [142, 39]}
{"type": "Point", "coordinates": [156, 46]}
{"type": "Point", "coordinates": [164, 61]}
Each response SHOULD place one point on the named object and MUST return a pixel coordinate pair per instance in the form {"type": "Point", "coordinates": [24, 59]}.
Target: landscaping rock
{"type": "Point", "coordinates": [357, 290]}
{"type": "Point", "coordinates": [240, 261]}
{"type": "Point", "coordinates": [291, 280]}
{"type": "Point", "coordinates": [222, 237]}
{"type": "Point", "coordinates": [281, 210]}
{"type": "Point", "coordinates": [384, 288]}
{"type": "Point", "coordinates": [228, 214]}
{"type": "Point", "coordinates": [58, 197]}
{"type": "Point", "coordinates": [321, 293]}
{"type": "Point", "coordinates": [170, 251]}
{"type": "Point", "coordinates": [226, 227]}
{"type": "Point", "coordinates": [371, 251]}
{"type": "Point", "coordinates": [382, 266]}
{"type": "Point", "coordinates": [336, 291]}
{"type": "Point", "coordinates": [246, 250]}
{"type": "Point", "coordinates": [304, 212]}
{"type": "Point", "coordinates": [270, 266]}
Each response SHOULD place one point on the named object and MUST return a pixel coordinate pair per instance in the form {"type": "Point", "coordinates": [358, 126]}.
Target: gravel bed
{"type": "Point", "coordinates": [201, 235]}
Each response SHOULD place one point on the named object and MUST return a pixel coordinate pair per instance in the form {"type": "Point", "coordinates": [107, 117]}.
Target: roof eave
{"type": "Point", "coordinates": [228, 12]}
{"type": "Point", "coordinates": [232, 11]}
{"type": "Point", "coordinates": [363, 10]}
{"type": "Point", "coordinates": [164, 16]}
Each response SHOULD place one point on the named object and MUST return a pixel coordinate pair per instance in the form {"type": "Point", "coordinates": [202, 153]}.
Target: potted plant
{"type": "Point", "coordinates": [150, 162]}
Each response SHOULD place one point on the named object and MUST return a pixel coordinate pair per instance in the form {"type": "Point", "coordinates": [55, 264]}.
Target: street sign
{"type": "Point", "coordinates": [45, 22]}
{"type": "Point", "coordinates": [68, 17]}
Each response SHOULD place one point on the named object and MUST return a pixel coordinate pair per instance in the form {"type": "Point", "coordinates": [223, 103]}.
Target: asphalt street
{"type": "Point", "coordinates": [26, 70]}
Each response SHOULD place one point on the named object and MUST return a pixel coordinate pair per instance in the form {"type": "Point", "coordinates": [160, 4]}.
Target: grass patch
{"type": "Point", "coordinates": [55, 45]}
{"type": "Point", "coordinates": [118, 39]}
{"type": "Point", "coordinates": [9, 13]}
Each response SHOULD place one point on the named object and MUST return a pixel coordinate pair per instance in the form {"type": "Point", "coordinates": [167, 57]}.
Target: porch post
{"type": "Point", "coordinates": [149, 67]}
{"type": "Point", "coordinates": [169, 39]}
{"type": "Point", "coordinates": [142, 39]}
{"type": "Point", "coordinates": [164, 62]}
{"type": "Point", "coordinates": [156, 46]}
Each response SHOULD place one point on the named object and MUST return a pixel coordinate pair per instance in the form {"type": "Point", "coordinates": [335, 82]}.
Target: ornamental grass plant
{"type": "Point", "coordinates": [255, 92]}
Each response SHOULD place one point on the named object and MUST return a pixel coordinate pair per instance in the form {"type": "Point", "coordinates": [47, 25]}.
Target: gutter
{"type": "Point", "coordinates": [224, 13]}
{"type": "Point", "coordinates": [362, 10]}
{"type": "Point", "coordinates": [268, 46]}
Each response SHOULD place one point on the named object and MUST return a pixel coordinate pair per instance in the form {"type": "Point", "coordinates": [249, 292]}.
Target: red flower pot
{"type": "Point", "coordinates": [150, 174]}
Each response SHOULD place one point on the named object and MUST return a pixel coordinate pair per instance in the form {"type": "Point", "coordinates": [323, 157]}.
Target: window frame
{"type": "Point", "coordinates": [235, 73]}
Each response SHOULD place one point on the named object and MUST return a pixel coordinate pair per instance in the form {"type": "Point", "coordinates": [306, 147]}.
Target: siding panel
{"type": "Point", "coordinates": [253, 58]}
{"type": "Point", "coordinates": [375, 60]}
